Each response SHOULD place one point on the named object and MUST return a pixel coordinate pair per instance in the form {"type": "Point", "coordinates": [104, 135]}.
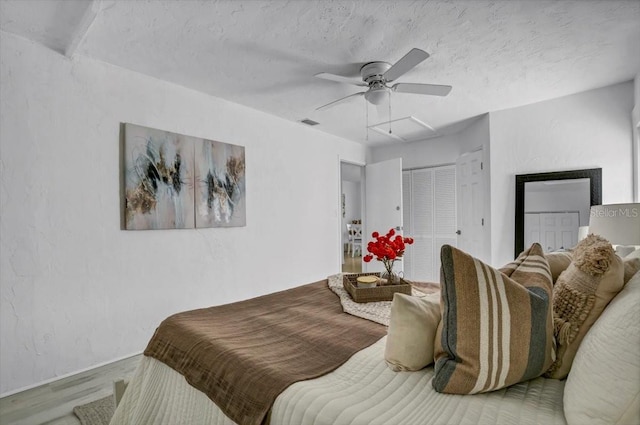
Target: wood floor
{"type": "Point", "coordinates": [53, 403]}
{"type": "Point", "coordinates": [352, 264]}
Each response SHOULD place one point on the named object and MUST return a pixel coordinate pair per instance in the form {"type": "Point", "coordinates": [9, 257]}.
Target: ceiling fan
{"type": "Point", "coordinates": [376, 75]}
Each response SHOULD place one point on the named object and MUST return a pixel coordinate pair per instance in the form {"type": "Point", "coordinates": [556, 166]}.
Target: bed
{"type": "Point", "coordinates": [360, 389]}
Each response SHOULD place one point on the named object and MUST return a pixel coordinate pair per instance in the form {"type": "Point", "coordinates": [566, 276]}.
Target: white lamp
{"type": "Point", "coordinates": [618, 223]}
{"type": "Point", "coordinates": [583, 231]}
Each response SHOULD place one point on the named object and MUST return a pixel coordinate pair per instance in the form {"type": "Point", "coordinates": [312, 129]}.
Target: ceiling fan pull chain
{"type": "Point", "coordinates": [389, 111]}
{"type": "Point", "coordinates": [366, 126]}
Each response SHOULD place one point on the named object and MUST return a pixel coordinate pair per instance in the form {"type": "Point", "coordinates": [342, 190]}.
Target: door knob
{"type": "Point", "coordinates": [458, 232]}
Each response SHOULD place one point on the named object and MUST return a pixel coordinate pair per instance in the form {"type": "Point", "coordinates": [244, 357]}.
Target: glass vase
{"type": "Point", "coordinates": [390, 277]}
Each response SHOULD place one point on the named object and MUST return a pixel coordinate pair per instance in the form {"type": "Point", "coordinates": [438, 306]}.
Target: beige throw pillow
{"type": "Point", "coordinates": [558, 262]}
{"type": "Point", "coordinates": [631, 267]}
{"type": "Point", "coordinates": [496, 327]}
{"type": "Point", "coordinates": [412, 330]}
{"type": "Point", "coordinates": [580, 295]}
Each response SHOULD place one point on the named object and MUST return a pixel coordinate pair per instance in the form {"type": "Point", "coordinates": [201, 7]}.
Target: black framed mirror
{"type": "Point", "coordinates": [525, 183]}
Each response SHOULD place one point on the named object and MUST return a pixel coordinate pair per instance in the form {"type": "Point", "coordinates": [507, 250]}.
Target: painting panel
{"type": "Point", "coordinates": [220, 190]}
{"type": "Point", "coordinates": [158, 179]}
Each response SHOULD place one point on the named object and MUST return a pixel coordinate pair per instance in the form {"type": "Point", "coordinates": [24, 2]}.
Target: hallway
{"type": "Point", "coordinates": [352, 264]}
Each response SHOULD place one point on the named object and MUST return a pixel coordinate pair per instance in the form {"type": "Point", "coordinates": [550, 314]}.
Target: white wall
{"type": "Point", "coordinates": [636, 139]}
{"type": "Point", "coordinates": [436, 151]}
{"type": "Point", "coordinates": [585, 130]}
{"type": "Point", "coordinates": [75, 290]}
{"type": "Point", "coordinates": [574, 197]}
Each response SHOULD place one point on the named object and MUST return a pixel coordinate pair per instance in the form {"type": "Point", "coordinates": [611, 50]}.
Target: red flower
{"type": "Point", "coordinates": [386, 248]}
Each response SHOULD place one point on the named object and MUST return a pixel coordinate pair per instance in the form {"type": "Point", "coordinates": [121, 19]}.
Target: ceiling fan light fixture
{"type": "Point", "coordinates": [376, 96]}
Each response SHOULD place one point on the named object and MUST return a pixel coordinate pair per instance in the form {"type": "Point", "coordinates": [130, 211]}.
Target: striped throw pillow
{"type": "Point", "coordinates": [497, 327]}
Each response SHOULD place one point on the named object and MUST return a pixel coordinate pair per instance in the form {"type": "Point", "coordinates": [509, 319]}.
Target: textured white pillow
{"type": "Point", "coordinates": [603, 386]}
{"type": "Point", "coordinates": [412, 330]}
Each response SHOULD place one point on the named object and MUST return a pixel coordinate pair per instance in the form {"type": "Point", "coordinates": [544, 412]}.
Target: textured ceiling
{"type": "Point", "coordinates": [263, 54]}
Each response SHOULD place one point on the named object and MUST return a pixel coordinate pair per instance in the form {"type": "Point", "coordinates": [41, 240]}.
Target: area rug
{"type": "Point", "coordinates": [378, 311]}
{"type": "Point", "coordinates": [97, 412]}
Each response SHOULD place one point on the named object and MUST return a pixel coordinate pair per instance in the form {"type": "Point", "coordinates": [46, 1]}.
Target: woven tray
{"type": "Point", "coordinates": [377, 293]}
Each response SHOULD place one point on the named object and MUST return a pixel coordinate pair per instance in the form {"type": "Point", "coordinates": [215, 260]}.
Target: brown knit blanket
{"type": "Point", "coordinates": [243, 355]}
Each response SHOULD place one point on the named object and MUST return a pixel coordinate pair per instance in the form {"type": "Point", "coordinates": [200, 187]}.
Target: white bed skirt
{"type": "Point", "coordinates": [363, 391]}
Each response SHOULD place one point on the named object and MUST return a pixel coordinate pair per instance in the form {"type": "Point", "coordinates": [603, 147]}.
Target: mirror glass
{"type": "Point", "coordinates": [551, 207]}
{"type": "Point", "coordinates": [553, 212]}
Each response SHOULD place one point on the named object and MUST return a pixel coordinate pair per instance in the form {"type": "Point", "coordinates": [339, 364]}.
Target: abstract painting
{"type": "Point", "coordinates": [173, 181]}
{"type": "Point", "coordinates": [158, 167]}
{"type": "Point", "coordinates": [220, 191]}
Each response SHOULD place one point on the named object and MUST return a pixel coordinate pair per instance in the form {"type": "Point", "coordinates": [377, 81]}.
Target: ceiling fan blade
{"type": "Point", "coordinates": [405, 64]}
{"type": "Point", "coordinates": [430, 89]}
{"type": "Point", "coordinates": [335, 102]}
{"type": "Point", "coordinates": [340, 79]}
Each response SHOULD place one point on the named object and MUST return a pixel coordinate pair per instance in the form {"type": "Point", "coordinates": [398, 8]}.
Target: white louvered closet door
{"type": "Point", "coordinates": [430, 219]}
{"type": "Point", "coordinates": [421, 218]}
{"type": "Point", "coordinates": [445, 213]}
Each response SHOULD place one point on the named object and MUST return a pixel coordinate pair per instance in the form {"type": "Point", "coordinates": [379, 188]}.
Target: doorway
{"type": "Point", "coordinates": [352, 197]}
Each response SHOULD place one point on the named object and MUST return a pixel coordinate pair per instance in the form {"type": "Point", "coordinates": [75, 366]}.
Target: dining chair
{"type": "Point", "coordinates": [356, 239]}
{"type": "Point", "coordinates": [349, 238]}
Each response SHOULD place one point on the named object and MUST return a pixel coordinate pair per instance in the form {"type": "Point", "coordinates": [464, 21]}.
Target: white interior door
{"type": "Point", "coordinates": [566, 227]}
{"type": "Point", "coordinates": [429, 218]}
{"type": "Point", "coordinates": [418, 224]}
{"type": "Point", "coordinates": [445, 214]}
{"type": "Point", "coordinates": [532, 229]}
{"type": "Point", "coordinates": [383, 204]}
{"type": "Point", "coordinates": [554, 231]}
{"type": "Point", "coordinates": [470, 192]}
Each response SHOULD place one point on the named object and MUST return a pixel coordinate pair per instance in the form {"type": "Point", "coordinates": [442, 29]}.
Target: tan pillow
{"type": "Point", "coordinates": [412, 330]}
{"type": "Point", "coordinates": [580, 295]}
{"type": "Point", "coordinates": [631, 267]}
{"type": "Point", "coordinates": [496, 327]}
{"type": "Point", "coordinates": [558, 262]}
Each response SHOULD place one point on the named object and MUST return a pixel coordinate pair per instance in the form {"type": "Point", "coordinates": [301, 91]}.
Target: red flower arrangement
{"type": "Point", "coordinates": [387, 248]}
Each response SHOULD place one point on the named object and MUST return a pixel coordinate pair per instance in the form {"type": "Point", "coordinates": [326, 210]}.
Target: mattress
{"type": "Point", "coordinates": [361, 391]}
